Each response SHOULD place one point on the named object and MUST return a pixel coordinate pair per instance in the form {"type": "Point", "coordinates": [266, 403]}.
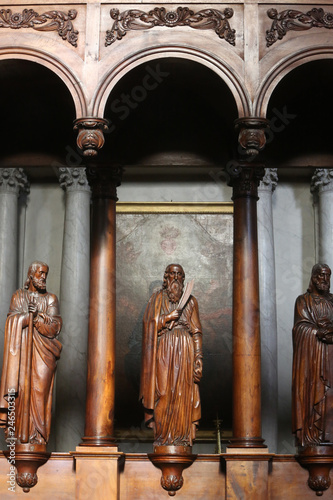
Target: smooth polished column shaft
{"type": "Point", "coordinates": [102, 319]}
{"type": "Point", "coordinates": [246, 327]}
{"type": "Point", "coordinates": [12, 182]}
{"type": "Point", "coordinates": [74, 307]}
{"type": "Point", "coordinates": [268, 321]}
{"type": "Point", "coordinates": [322, 182]}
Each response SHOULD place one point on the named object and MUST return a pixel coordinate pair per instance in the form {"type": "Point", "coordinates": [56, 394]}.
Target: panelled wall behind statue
{"type": "Point", "coordinates": [41, 235]}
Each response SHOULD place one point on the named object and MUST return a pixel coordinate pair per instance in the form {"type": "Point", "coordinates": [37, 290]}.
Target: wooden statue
{"type": "Point", "coordinates": [312, 417]}
{"type": "Point", "coordinates": [172, 368]}
{"type": "Point", "coordinates": [31, 351]}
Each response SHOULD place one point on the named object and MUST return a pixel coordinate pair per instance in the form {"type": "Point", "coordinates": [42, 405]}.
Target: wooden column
{"type": "Point", "coordinates": [246, 327]}
{"type": "Point", "coordinates": [99, 424]}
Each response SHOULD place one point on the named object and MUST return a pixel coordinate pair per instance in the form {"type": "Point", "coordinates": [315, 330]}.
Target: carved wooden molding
{"type": "Point", "coordinates": [205, 19]}
{"type": "Point", "coordinates": [294, 20]}
{"type": "Point", "coordinates": [56, 21]}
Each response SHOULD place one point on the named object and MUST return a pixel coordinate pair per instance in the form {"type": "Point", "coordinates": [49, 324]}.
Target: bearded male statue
{"type": "Point", "coordinates": [312, 416]}
{"type": "Point", "coordinates": [31, 351]}
{"type": "Point", "coordinates": [171, 363]}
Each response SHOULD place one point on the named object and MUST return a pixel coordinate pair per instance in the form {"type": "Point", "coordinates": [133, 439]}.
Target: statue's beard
{"type": "Point", "coordinates": [323, 288]}
{"type": "Point", "coordinates": [40, 285]}
{"type": "Point", "coordinates": [174, 290]}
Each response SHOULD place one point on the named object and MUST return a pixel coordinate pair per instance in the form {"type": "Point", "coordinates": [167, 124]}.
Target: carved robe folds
{"type": "Point", "coordinates": [169, 385]}
{"type": "Point", "coordinates": [45, 352]}
{"type": "Point", "coordinates": [312, 371]}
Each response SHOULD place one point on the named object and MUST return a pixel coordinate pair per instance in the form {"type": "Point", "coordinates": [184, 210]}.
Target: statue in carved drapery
{"type": "Point", "coordinates": [172, 363]}
{"type": "Point", "coordinates": [31, 351]}
{"type": "Point", "coordinates": [312, 416]}
{"type": "Point", "coordinates": [312, 370]}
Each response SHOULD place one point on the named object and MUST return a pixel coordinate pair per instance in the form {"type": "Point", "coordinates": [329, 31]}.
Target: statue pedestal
{"type": "Point", "coordinates": [172, 460]}
{"type": "Point", "coordinates": [318, 460]}
{"type": "Point", "coordinates": [28, 458]}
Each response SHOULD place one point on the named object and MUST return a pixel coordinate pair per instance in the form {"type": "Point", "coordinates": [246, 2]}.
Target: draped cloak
{"type": "Point", "coordinates": [168, 392]}
{"type": "Point", "coordinates": [311, 368]}
{"type": "Point", "coordinates": [45, 352]}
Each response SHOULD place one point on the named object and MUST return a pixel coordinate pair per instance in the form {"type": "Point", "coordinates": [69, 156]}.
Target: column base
{"type": "Point", "coordinates": [97, 472]}
{"type": "Point", "coordinates": [247, 473]}
{"type": "Point", "coordinates": [245, 442]}
{"type": "Point", "coordinates": [98, 441]}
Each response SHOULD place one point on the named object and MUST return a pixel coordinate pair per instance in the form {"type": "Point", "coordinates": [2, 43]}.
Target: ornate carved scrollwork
{"type": "Point", "coordinates": [205, 19]}
{"type": "Point", "coordinates": [294, 20]}
{"type": "Point", "coordinates": [90, 136]}
{"type": "Point", "coordinates": [56, 21]}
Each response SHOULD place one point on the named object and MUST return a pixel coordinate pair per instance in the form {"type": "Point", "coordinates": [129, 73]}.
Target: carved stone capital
{"type": "Point", "coordinates": [90, 137]}
{"type": "Point", "coordinates": [13, 180]}
{"type": "Point", "coordinates": [270, 180]}
{"type": "Point", "coordinates": [322, 180]}
{"type": "Point", "coordinates": [73, 179]}
{"type": "Point", "coordinates": [104, 181]}
{"type": "Point", "coordinates": [251, 134]}
{"type": "Point", "coordinates": [244, 177]}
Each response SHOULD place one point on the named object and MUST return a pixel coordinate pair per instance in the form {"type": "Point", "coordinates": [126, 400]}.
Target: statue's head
{"type": "Point", "coordinates": [36, 277]}
{"type": "Point", "coordinates": [320, 279]}
{"type": "Point", "coordinates": [173, 281]}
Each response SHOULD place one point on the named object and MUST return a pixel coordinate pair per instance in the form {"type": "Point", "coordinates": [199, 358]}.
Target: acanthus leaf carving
{"type": "Point", "coordinates": [294, 20]}
{"type": "Point", "coordinates": [134, 19]}
{"type": "Point", "coordinates": [56, 21]}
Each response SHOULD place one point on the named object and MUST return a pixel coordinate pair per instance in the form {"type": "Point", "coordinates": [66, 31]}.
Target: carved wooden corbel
{"type": "Point", "coordinates": [172, 463]}
{"type": "Point", "coordinates": [294, 20]}
{"type": "Point", "coordinates": [56, 21]}
{"type": "Point", "coordinates": [205, 19]}
{"type": "Point", "coordinates": [90, 137]}
{"type": "Point", "coordinates": [251, 135]}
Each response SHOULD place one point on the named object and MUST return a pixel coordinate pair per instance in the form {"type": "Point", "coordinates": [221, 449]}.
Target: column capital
{"type": "Point", "coordinates": [104, 181]}
{"type": "Point", "coordinates": [322, 180]}
{"type": "Point", "coordinates": [90, 137]}
{"type": "Point", "coordinates": [251, 134]}
{"type": "Point", "coordinates": [269, 181]}
{"type": "Point", "coordinates": [244, 177]}
{"type": "Point", "coordinates": [13, 180]}
{"type": "Point", "coordinates": [73, 179]}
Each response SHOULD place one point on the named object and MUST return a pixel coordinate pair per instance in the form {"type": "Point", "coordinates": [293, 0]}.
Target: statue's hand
{"type": "Point", "coordinates": [32, 308]}
{"type": "Point", "coordinates": [173, 316]}
{"type": "Point", "coordinates": [197, 370]}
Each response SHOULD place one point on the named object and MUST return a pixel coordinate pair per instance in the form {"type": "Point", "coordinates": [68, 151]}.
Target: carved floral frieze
{"type": "Point", "coordinates": [206, 19]}
{"type": "Point", "coordinates": [52, 20]}
{"type": "Point", "coordinates": [294, 20]}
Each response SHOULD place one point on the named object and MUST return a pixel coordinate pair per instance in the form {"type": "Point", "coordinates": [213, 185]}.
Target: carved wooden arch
{"type": "Point", "coordinates": [64, 73]}
{"type": "Point", "coordinates": [282, 69]}
{"type": "Point", "coordinates": [224, 71]}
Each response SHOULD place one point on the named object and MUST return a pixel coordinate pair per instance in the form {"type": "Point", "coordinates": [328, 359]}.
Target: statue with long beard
{"type": "Point", "coordinates": [171, 364]}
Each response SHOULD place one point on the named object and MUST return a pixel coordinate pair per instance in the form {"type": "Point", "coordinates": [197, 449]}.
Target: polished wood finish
{"type": "Point", "coordinates": [99, 424]}
{"type": "Point", "coordinates": [31, 351]}
{"type": "Point", "coordinates": [246, 328]}
{"type": "Point", "coordinates": [312, 417]}
{"type": "Point", "coordinates": [170, 374]}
